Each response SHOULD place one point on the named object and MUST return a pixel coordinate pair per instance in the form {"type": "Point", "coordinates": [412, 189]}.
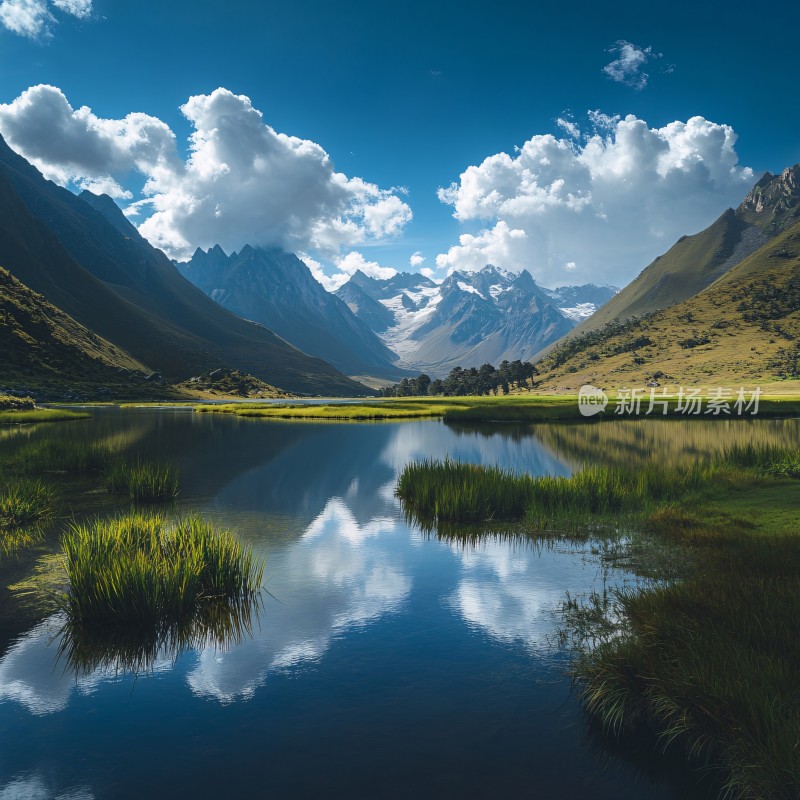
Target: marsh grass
{"type": "Point", "coordinates": [25, 507]}
{"type": "Point", "coordinates": [137, 569]}
{"type": "Point", "coordinates": [525, 408]}
{"type": "Point", "coordinates": [710, 663]}
{"type": "Point", "coordinates": [40, 415]}
{"type": "Point", "coordinates": [705, 658]}
{"type": "Point", "coordinates": [390, 409]}
{"type": "Point", "coordinates": [143, 481]}
{"type": "Point", "coordinates": [24, 503]}
{"type": "Point", "coordinates": [454, 492]}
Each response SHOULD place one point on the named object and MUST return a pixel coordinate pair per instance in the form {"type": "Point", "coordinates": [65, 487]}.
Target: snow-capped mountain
{"type": "Point", "coordinates": [471, 318]}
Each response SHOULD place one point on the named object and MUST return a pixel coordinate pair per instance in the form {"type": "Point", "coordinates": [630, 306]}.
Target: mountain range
{"type": "Point", "coordinates": [84, 298]}
{"type": "Point", "coordinates": [469, 319]}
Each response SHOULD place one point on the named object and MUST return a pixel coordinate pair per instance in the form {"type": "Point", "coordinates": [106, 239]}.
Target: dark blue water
{"type": "Point", "coordinates": [385, 662]}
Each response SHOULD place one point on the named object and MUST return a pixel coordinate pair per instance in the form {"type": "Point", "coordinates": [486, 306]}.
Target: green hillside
{"type": "Point", "coordinates": [695, 262]}
{"type": "Point", "coordinates": [744, 329]}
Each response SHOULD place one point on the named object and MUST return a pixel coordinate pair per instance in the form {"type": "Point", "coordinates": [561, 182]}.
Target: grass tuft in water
{"type": "Point", "coordinates": [138, 569]}
{"type": "Point", "coordinates": [24, 503]}
{"type": "Point", "coordinates": [451, 491]}
{"type": "Point", "coordinates": [143, 481]}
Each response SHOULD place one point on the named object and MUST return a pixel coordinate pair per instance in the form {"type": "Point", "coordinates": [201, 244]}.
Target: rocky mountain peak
{"type": "Point", "coordinates": [775, 194]}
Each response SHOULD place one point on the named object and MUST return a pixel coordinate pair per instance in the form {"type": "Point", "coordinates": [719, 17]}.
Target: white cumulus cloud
{"type": "Point", "coordinates": [600, 208]}
{"type": "Point", "coordinates": [416, 260]}
{"type": "Point", "coordinates": [246, 183]}
{"type": "Point", "coordinates": [78, 8]}
{"type": "Point", "coordinates": [33, 18]}
{"type": "Point", "coordinates": [242, 183]}
{"type": "Point", "coordinates": [76, 146]}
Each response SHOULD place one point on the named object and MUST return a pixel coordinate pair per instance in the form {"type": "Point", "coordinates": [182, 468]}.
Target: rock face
{"type": "Point", "coordinates": [277, 290]}
{"type": "Point", "coordinates": [777, 196]}
{"type": "Point", "coordinates": [469, 319]}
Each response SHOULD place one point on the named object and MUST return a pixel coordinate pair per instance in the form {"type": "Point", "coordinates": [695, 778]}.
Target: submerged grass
{"type": "Point", "coordinates": [143, 481]}
{"type": "Point", "coordinates": [63, 455]}
{"type": "Point", "coordinates": [138, 569]}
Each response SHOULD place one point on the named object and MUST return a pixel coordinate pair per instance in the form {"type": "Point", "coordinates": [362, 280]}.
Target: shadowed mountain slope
{"type": "Point", "coordinates": [89, 262]}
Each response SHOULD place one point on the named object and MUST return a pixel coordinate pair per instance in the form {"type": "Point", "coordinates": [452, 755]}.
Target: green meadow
{"type": "Point", "coordinates": [505, 408]}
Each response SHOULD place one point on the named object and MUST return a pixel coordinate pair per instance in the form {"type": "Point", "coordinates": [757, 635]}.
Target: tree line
{"type": "Point", "coordinates": [459, 382]}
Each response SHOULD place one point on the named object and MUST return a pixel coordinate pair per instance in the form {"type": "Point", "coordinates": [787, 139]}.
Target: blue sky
{"type": "Point", "coordinates": [412, 94]}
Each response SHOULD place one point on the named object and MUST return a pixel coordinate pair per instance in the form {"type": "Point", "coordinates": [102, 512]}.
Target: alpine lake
{"type": "Point", "coordinates": [381, 660]}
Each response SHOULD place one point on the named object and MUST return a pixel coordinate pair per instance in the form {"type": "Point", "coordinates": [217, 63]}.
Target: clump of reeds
{"type": "Point", "coordinates": [138, 569]}
{"type": "Point", "coordinates": [24, 503]}
{"type": "Point", "coordinates": [143, 481]}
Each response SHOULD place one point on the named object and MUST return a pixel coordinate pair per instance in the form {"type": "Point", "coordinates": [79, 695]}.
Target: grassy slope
{"type": "Point", "coordinates": [743, 327]}
{"type": "Point", "coordinates": [229, 384]}
{"type": "Point", "coordinates": [37, 340]}
{"type": "Point", "coordinates": [685, 269]}
{"type": "Point", "coordinates": [131, 294]}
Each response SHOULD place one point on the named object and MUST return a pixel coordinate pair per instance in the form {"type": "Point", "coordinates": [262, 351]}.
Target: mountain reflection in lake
{"type": "Point", "coordinates": [383, 662]}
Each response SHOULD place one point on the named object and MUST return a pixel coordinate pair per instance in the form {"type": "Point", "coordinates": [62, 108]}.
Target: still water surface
{"type": "Point", "coordinates": [385, 662]}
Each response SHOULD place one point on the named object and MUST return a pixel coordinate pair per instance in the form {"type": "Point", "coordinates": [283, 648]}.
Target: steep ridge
{"type": "Point", "coordinates": [695, 262]}
{"type": "Point", "coordinates": [42, 346]}
{"type": "Point", "coordinates": [109, 279]}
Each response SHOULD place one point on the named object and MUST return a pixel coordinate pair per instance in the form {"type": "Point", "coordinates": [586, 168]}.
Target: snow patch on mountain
{"type": "Point", "coordinates": [400, 337]}
{"type": "Point", "coordinates": [579, 312]}
{"type": "Point", "coordinates": [465, 287]}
